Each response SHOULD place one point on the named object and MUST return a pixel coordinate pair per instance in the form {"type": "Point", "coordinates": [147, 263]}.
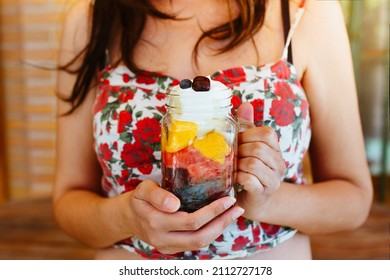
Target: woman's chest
{"type": "Point", "coordinates": [179, 52]}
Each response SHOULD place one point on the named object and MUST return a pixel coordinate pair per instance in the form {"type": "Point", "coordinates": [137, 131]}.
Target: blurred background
{"type": "Point", "coordinates": [29, 34]}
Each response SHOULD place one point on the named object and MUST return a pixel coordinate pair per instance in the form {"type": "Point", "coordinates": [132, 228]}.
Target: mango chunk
{"type": "Point", "coordinates": [181, 134]}
{"type": "Point", "coordinates": [213, 146]}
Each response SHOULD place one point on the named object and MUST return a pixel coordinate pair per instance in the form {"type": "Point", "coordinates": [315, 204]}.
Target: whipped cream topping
{"type": "Point", "coordinates": [206, 108]}
{"type": "Point", "coordinates": [198, 106]}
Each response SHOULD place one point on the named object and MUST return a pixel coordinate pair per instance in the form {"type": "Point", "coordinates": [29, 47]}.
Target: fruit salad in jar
{"type": "Point", "coordinates": [198, 143]}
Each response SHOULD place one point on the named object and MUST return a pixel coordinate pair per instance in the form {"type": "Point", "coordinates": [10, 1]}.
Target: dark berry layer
{"type": "Point", "coordinates": [194, 195]}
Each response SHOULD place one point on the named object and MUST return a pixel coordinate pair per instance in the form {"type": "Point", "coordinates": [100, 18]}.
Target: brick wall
{"type": "Point", "coordinates": [30, 32]}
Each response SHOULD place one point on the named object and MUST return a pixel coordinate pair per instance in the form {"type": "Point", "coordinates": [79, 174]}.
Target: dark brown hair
{"type": "Point", "coordinates": [128, 17]}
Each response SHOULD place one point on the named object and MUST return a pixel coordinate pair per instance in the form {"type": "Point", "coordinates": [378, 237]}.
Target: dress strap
{"type": "Point", "coordinates": [286, 26]}
{"type": "Point", "coordinates": [298, 15]}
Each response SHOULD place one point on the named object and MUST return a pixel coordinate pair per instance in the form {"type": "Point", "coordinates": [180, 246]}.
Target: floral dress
{"type": "Point", "coordinates": [127, 122]}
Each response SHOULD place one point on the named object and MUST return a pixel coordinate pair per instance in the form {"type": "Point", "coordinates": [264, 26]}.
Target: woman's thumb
{"type": "Point", "coordinates": [245, 111]}
{"type": "Point", "coordinates": [245, 115]}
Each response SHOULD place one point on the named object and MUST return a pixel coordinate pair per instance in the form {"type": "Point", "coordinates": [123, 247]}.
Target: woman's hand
{"type": "Point", "coordinates": [157, 221]}
{"type": "Point", "coordinates": [260, 165]}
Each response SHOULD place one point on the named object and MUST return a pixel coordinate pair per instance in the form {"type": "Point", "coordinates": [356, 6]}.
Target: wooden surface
{"type": "Point", "coordinates": [3, 181]}
{"type": "Point", "coordinates": [369, 242]}
{"type": "Point", "coordinates": [28, 231]}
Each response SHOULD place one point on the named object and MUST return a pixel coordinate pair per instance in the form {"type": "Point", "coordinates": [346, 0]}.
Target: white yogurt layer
{"type": "Point", "coordinates": [197, 106]}
{"type": "Point", "coordinates": [206, 108]}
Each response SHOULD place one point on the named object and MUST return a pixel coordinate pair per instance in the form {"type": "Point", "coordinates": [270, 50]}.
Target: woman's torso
{"type": "Point", "coordinates": [129, 108]}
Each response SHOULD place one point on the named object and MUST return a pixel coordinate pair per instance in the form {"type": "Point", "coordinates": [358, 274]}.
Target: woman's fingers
{"type": "Point", "coordinates": [171, 220]}
{"type": "Point", "coordinates": [183, 221]}
{"type": "Point", "coordinates": [263, 134]}
{"type": "Point", "coordinates": [261, 152]}
{"type": "Point", "coordinates": [149, 191]}
{"type": "Point", "coordinates": [260, 143]}
{"type": "Point", "coordinates": [260, 167]}
{"type": "Point", "coordinates": [194, 240]}
{"type": "Point", "coordinates": [181, 231]}
{"type": "Point", "coordinates": [157, 226]}
{"type": "Point", "coordinates": [256, 168]}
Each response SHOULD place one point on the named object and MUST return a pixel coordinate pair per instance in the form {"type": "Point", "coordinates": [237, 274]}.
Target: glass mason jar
{"type": "Point", "coordinates": [198, 145]}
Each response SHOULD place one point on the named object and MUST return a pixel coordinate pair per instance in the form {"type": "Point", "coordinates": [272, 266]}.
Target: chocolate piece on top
{"type": "Point", "coordinates": [201, 83]}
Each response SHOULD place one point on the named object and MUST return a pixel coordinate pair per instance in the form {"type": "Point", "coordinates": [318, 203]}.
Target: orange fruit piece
{"type": "Point", "coordinates": [181, 134]}
{"type": "Point", "coordinates": [213, 146]}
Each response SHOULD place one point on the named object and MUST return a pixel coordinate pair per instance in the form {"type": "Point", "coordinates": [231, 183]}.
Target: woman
{"type": "Point", "coordinates": [118, 59]}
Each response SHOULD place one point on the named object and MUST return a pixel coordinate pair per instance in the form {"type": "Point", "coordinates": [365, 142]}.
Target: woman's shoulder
{"type": "Point", "coordinates": [76, 26]}
{"type": "Point", "coordinates": [320, 29]}
{"type": "Point", "coordinates": [321, 11]}
{"type": "Point", "coordinates": [322, 24]}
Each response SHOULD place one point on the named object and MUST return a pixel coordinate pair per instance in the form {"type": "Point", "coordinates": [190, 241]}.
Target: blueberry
{"type": "Point", "coordinates": [201, 83]}
{"type": "Point", "coordinates": [185, 83]}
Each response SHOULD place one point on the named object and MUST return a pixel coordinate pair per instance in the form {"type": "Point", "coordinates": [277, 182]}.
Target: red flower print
{"type": "Point", "coordinates": [126, 78]}
{"type": "Point", "coordinates": [240, 243]}
{"type": "Point", "coordinates": [106, 170]}
{"type": "Point", "coordinates": [304, 108]}
{"type": "Point", "coordinates": [294, 178]}
{"type": "Point", "coordinates": [105, 151]}
{"type": "Point", "coordinates": [148, 130]}
{"type": "Point", "coordinates": [106, 185]}
{"type": "Point", "coordinates": [101, 101]}
{"type": "Point", "coordinates": [124, 177]}
{"type": "Point", "coordinates": [282, 111]}
{"type": "Point", "coordinates": [204, 257]}
{"type": "Point", "coordinates": [283, 90]}
{"type": "Point", "coordinates": [106, 82]}
{"type": "Point", "coordinates": [108, 127]}
{"type": "Point", "coordinates": [137, 154]}
{"type": "Point", "coordinates": [242, 223]}
{"type": "Point", "coordinates": [269, 229]}
{"type": "Point", "coordinates": [126, 95]}
{"type": "Point", "coordinates": [125, 119]}
{"type": "Point", "coordinates": [160, 96]}
{"type": "Point", "coordinates": [223, 255]}
{"type": "Point", "coordinates": [152, 254]}
{"type": "Point", "coordinates": [281, 70]}
{"type": "Point", "coordinates": [115, 146]}
{"type": "Point", "coordinates": [162, 109]}
{"type": "Point", "coordinates": [132, 184]}
{"type": "Point", "coordinates": [145, 79]}
{"type": "Point", "coordinates": [175, 82]}
{"type": "Point", "coordinates": [148, 91]}
{"type": "Point", "coordinates": [258, 110]}
{"type": "Point", "coordinates": [266, 85]}
{"type": "Point", "coordinates": [262, 247]}
{"type": "Point", "coordinates": [219, 238]}
{"type": "Point", "coordinates": [232, 76]}
{"type": "Point", "coordinates": [145, 169]}
{"type": "Point", "coordinates": [236, 74]}
{"type": "Point", "coordinates": [115, 89]}
{"type": "Point", "coordinates": [236, 102]}
{"type": "Point", "coordinates": [256, 234]}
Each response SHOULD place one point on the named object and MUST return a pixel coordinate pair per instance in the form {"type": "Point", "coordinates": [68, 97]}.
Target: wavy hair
{"type": "Point", "coordinates": [128, 17]}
